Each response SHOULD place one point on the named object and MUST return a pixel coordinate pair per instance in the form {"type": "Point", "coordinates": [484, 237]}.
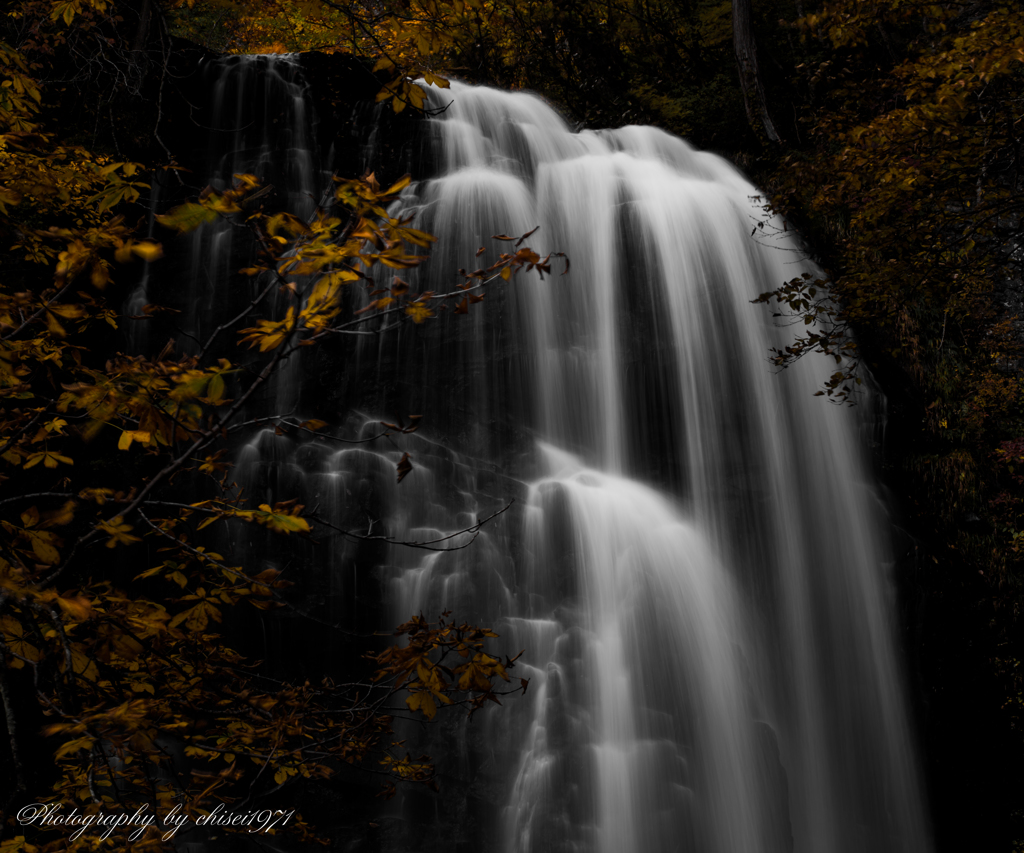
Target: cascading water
{"type": "Point", "coordinates": [260, 123]}
{"type": "Point", "coordinates": [695, 564]}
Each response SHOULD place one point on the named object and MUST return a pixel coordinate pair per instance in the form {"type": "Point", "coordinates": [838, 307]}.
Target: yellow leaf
{"type": "Point", "coordinates": [73, 746]}
{"type": "Point", "coordinates": [118, 531]}
{"type": "Point", "coordinates": [62, 516]}
{"type": "Point", "coordinates": [418, 311]}
{"type": "Point", "coordinates": [67, 311]}
{"type": "Point", "coordinates": [399, 185]}
{"type": "Point", "coordinates": [100, 276]}
{"type": "Point", "coordinates": [130, 435]}
{"type": "Point", "coordinates": [216, 388]}
{"type": "Point", "coordinates": [422, 701]}
{"type": "Point", "coordinates": [82, 664]}
{"type": "Point", "coordinates": [48, 458]}
{"type": "Point", "coordinates": [187, 217]}
{"type": "Point", "coordinates": [43, 549]}
{"type": "Point", "coordinates": [282, 521]}
{"type": "Point", "coordinates": [148, 251]}
{"type": "Point", "coordinates": [78, 608]}
{"type": "Point", "coordinates": [197, 618]}
{"type": "Point", "coordinates": [341, 276]}
{"type": "Point", "coordinates": [54, 327]}
{"type": "Point", "coordinates": [13, 635]}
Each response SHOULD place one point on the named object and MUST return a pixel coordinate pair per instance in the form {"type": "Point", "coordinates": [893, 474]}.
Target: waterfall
{"type": "Point", "coordinates": [695, 562]}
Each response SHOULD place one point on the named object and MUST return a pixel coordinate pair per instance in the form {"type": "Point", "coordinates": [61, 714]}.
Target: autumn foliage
{"type": "Point", "coordinates": [910, 187]}
{"type": "Point", "coordinates": [119, 680]}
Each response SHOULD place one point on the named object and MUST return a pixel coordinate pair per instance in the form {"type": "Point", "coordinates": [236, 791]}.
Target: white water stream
{"type": "Point", "coordinates": [713, 659]}
{"type": "Point", "coordinates": [696, 566]}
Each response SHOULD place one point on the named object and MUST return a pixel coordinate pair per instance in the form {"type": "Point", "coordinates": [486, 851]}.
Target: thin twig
{"type": "Point", "coordinates": [425, 545]}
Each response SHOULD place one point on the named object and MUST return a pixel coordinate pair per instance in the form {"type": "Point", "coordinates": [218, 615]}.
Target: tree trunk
{"type": "Point", "coordinates": [142, 33]}
{"type": "Point", "coordinates": [750, 78]}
